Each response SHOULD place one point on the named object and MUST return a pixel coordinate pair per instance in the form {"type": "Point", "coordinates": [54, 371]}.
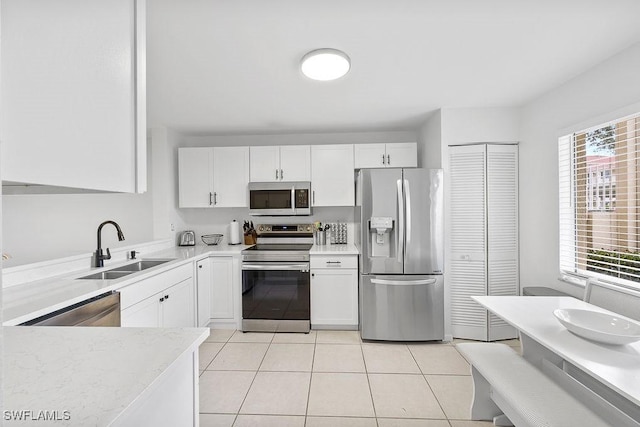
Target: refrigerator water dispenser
{"type": "Point", "coordinates": [380, 228]}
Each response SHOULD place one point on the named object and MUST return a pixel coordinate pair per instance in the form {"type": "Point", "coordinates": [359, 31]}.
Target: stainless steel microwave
{"type": "Point", "coordinates": [280, 198]}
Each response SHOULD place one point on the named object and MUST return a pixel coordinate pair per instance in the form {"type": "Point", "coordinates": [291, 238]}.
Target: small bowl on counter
{"type": "Point", "coordinates": [211, 239]}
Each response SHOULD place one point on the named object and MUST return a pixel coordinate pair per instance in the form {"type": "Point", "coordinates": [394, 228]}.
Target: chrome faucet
{"type": "Point", "coordinates": [99, 256]}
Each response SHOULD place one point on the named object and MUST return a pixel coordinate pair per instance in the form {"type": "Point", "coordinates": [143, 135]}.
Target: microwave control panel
{"type": "Point", "coordinates": [302, 198]}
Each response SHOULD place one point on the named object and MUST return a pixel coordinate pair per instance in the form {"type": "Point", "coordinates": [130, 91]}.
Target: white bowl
{"type": "Point", "coordinates": [600, 327]}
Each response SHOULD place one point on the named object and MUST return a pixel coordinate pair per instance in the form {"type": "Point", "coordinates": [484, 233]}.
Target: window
{"type": "Point", "coordinates": [599, 201]}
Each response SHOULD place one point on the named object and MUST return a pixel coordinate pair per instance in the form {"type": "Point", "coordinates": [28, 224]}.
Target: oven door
{"type": "Point", "coordinates": [275, 294]}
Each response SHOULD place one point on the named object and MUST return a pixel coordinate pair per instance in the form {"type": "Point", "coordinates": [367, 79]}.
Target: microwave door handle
{"type": "Point", "coordinates": [293, 199]}
{"type": "Point", "coordinates": [400, 247]}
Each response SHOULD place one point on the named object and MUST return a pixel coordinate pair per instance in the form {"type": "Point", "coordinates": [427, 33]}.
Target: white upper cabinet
{"type": "Point", "coordinates": [396, 155]}
{"type": "Point", "coordinates": [281, 163]}
{"type": "Point", "coordinates": [265, 164]}
{"type": "Point", "coordinates": [295, 163]}
{"type": "Point", "coordinates": [332, 175]}
{"type": "Point", "coordinates": [73, 94]}
{"type": "Point", "coordinates": [195, 167]}
{"type": "Point", "coordinates": [230, 176]}
{"type": "Point", "coordinates": [213, 177]}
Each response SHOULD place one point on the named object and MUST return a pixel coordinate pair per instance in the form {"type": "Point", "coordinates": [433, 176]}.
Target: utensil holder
{"type": "Point", "coordinates": [321, 238]}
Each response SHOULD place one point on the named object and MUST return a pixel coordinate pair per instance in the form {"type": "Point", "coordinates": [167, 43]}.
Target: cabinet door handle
{"type": "Point", "coordinates": [388, 159]}
{"type": "Point", "coordinates": [210, 198]}
{"type": "Point", "coordinates": [383, 159]}
{"type": "Point", "coordinates": [200, 266]}
{"type": "Point", "coordinates": [281, 174]}
{"type": "Point", "coordinates": [166, 297]}
{"type": "Point", "coordinates": [313, 275]}
{"type": "Point", "coordinates": [276, 174]}
{"type": "Point", "coordinates": [162, 299]}
{"type": "Point", "coordinates": [215, 198]}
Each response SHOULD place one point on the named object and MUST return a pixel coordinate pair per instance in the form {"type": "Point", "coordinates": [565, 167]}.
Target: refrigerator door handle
{"type": "Point", "coordinates": [403, 282]}
{"type": "Point", "coordinates": [400, 248]}
{"type": "Point", "coordinates": [408, 207]}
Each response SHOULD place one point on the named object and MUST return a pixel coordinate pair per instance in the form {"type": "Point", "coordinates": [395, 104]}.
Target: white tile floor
{"type": "Point", "coordinates": [331, 379]}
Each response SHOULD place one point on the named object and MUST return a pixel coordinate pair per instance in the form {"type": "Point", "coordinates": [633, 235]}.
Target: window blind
{"type": "Point", "coordinates": [599, 190]}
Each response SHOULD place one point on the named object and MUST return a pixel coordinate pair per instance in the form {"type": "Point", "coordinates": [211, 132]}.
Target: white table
{"type": "Point", "coordinates": [613, 372]}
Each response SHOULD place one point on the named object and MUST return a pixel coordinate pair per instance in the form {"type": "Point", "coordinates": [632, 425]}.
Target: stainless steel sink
{"type": "Point", "coordinates": [125, 270]}
{"type": "Point", "coordinates": [107, 275]}
{"type": "Point", "coordinates": [141, 265]}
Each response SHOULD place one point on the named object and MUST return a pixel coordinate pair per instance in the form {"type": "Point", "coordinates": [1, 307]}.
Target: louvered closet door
{"type": "Point", "coordinates": [502, 230]}
{"type": "Point", "coordinates": [467, 236]}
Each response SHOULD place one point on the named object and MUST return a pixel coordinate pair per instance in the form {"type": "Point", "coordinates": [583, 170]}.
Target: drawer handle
{"type": "Point", "coordinates": [334, 262]}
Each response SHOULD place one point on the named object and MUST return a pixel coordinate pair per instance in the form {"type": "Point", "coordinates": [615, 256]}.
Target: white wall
{"type": "Point", "coordinates": [39, 227]}
{"type": "Point", "coordinates": [163, 183]}
{"type": "Point", "coordinates": [604, 92]}
{"type": "Point", "coordinates": [430, 142]}
{"type": "Point", "coordinates": [476, 125]}
{"type": "Point", "coordinates": [42, 227]}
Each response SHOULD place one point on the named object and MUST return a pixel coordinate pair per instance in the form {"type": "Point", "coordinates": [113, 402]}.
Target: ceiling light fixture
{"type": "Point", "coordinates": [325, 64]}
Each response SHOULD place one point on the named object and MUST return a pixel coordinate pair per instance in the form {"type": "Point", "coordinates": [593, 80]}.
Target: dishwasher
{"type": "Point", "coordinates": [101, 310]}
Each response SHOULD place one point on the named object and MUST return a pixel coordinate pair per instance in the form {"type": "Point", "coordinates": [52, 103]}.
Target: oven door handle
{"type": "Point", "coordinates": [288, 267]}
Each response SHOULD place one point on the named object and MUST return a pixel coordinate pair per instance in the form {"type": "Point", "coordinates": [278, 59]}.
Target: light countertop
{"type": "Point", "coordinates": [33, 299]}
{"type": "Point", "coordinates": [30, 300]}
{"type": "Point", "coordinates": [93, 373]}
{"type": "Point", "coordinates": [348, 249]}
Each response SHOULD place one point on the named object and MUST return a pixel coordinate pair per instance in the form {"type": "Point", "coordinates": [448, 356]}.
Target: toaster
{"type": "Point", "coordinates": [188, 238]}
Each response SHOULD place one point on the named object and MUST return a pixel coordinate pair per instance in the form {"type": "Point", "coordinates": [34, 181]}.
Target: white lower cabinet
{"type": "Point", "coordinates": [203, 285]}
{"type": "Point", "coordinates": [143, 314]}
{"type": "Point", "coordinates": [217, 282]}
{"type": "Point", "coordinates": [170, 401]}
{"type": "Point", "coordinates": [177, 305]}
{"type": "Point", "coordinates": [222, 289]}
{"type": "Point", "coordinates": [334, 292]}
{"type": "Point", "coordinates": [164, 300]}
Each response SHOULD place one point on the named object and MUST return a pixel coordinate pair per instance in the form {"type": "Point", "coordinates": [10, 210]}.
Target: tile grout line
{"type": "Point", "coordinates": [244, 399]}
{"type": "Point", "coordinates": [429, 385]}
{"type": "Point", "coordinates": [313, 358]}
{"type": "Point", "coordinates": [366, 372]}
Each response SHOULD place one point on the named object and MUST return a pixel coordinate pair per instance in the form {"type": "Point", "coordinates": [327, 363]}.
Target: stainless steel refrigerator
{"type": "Point", "coordinates": [400, 234]}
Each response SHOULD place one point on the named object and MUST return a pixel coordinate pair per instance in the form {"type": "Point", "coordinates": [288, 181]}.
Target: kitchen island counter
{"type": "Point", "coordinates": [99, 376]}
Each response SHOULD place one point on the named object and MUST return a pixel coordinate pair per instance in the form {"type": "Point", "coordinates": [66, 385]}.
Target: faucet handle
{"type": "Point", "coordinates": [108, 255]}
{"type": "Point", "coordinates": [132, 254]}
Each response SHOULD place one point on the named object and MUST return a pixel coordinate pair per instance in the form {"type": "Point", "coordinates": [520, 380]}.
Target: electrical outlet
{"type": "Point", "coordinates": [173, 227]}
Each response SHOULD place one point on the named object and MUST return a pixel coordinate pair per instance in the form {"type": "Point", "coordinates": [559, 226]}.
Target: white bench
{"type": "Point", "coordinates": [505, 384]}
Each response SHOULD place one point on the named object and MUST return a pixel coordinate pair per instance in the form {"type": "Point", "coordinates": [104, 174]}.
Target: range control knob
{"type": "Point", "coordinates": [308, 228]}
{"type": "Point", "coordinates": [261, 228]}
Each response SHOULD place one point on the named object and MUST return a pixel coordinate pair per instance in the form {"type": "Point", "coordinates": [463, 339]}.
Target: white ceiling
{"type": "Point", "coordinates": [232, 66]}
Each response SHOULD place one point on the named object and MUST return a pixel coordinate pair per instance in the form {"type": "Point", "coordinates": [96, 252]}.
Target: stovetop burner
{"type": "Point", "coordinates": [280, 242]}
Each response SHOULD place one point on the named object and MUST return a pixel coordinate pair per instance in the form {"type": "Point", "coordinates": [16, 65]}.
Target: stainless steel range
{"type": "Point", "coordinates": [276, 279]}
